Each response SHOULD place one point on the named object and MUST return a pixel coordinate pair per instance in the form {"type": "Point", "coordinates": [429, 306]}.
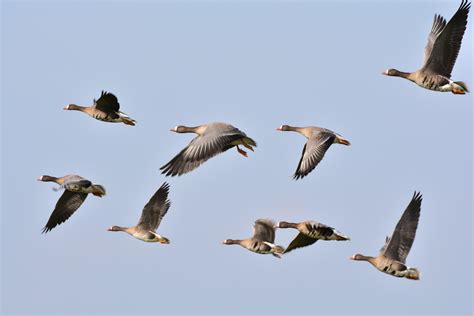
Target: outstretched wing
{"type": "Point", "coordinates": [399, 244]}
{"type": "Point", "coordinates": [199, 150]}
{"type": "Point", "coordinates": [313, 153]}
{"type": "Point", "coordinates": [67, 204]}
{"type": "Point", "coordinates": [263, 230]}
{"type": "Point", "coordinates": [155, 209]}
{"type": "Point", "coordinates": [107, 103]}
{"type": "Point", "coordinates": [301, 240]}
{"type": "Point", "coordinates": [444, 41]}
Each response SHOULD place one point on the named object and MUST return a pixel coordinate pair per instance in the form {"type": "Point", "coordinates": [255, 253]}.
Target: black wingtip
{"type": "Point", "coordinates": [165, 186]}
{"type": "Point", "coordinates": [417, 196]}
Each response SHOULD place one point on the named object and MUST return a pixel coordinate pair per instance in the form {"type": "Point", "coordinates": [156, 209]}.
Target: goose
{"type": "Point", "coordinates": [76, 189]}
{"type": "Point", "coordinates": [444, 42]}
{"type": "Point", "coordinates": [392, 256]}
{"type": "Point", "coordinates": [309, 233]}
{"type": "Point", "coordinates": [319, 141]}
{"type": "Point", "coordinates": [151, 217]}
{"type": "Point", "coordinates": [105, 109]}
{"type": "Point", "coordinates": [213, 139]}
{"type": "Point", "coordinates": [262, 241]}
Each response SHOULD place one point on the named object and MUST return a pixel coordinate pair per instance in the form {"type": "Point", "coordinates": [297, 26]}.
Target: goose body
{"type": "Point", "coordinates": [441, 52]}
{"type": "Point", "coordinates": [105, 109]}
{"type": "Point", "coordinates": [212, 139]}
{"type": "Point", "coordinates": [262, 241]}
{"type": "Point", "coordinates": [318, 142]}
{"type": "Point", "coordinates": [76, 190]}
{"type": "Point", "coordinates": [151, 217]}
{"type": "Point", "coordinates": [392, 256]}
{"type": "Point", "coordinates": [309, 233]}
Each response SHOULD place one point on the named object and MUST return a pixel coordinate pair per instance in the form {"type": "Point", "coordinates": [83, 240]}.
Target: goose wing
{"type": "Point", "coordinates": [67, 204]}
{"type": "Point", "coordinates": [107, 103]}
{"type": "Point", "coordinates": [444, 41]}
{"type": "Point", "coordinates": [203, 147]}
{"type": "Point", "coordinates": [399, 244]}
{"type": "Point", "coordinates": [263, 230]}
{"type": "Point", "coordinates": [155, 209]}
{"type": "Point", "coordinates": [301, 240]}
{"type": "Point", "coordinates": [313, 153]}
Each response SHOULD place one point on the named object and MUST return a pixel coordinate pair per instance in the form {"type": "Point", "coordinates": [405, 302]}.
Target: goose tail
{"type": "Point", "coordinates": [459, 87]}
{"type": "Point", "coordinates": [98, 190]}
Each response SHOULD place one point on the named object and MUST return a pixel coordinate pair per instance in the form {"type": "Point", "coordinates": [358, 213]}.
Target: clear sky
{"type": "Point", "coordinates": [256, 65]}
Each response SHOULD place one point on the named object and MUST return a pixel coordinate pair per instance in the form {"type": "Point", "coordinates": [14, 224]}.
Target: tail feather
{"type": "Point", "coordinates": [250, 141]}
{"type": "Point", "coordinates": [342, 141]}
{"type": "Point", "coordinates": [340, 236]}
{"type": "Point", "coordinates": [98, 190]}
{"type": "Point", "coordinates": [462, 85]}
{"type": "Point", "coordinates": [413, 274]}
{"type": "Point", "coordinates": [128, 121]}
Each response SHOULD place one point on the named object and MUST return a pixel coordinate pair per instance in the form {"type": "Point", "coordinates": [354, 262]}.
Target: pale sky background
{"type": "Point", "coordinates": [256, 65]}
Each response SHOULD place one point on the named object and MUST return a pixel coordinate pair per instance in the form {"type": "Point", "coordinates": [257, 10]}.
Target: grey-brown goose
{"type": "Point", "coordinates": [262, 241]}
{"type": "Point", "coordinates": [152, 214]}
{"type": "Point", "coordinates": [76, 189]}
{"type": "Point", "coordinates": [444, 42]}
{"type": "Point", "coordinates": [319, 141]}
{"type": "Point", "coordinates": [393, 254]}
{"type": "Point", "coordinates": [105, 109]}
{"type": "Point", "coordinates": [310, 232]}
{"type": "Point", "coordinates": [212, 139]}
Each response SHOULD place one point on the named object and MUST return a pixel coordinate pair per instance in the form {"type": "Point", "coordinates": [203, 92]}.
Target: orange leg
{"type": "Point", "coordinates": [242, 152]}
{"type": "Point", "coordinates": [246, 145]}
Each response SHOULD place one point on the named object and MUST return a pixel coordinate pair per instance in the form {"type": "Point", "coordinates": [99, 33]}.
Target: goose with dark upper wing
{"type": "Point", "coordinates": [152, 214]}
{"type": "Point", "coordinates": [393, 254]}
{"type": "Point", "coordinates": [76, 189]}
{"type": "Point", "coordinates": [444, 43]}
{"type": "Point", "coordinates": [310, 232]}
{"type": "Point", "coordinates": [262, 241]}
{"type": "Point", "coordinates": [319, 141]}
{"type": "Point", "coordinates": [212, 139]}
{"type": "Point", "coordinates": [105, 109]}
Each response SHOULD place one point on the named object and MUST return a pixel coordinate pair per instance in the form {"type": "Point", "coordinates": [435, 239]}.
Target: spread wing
{"type": "Point", "coordinates": [399, 244]}
{"type": "Point", "coordinates": [301, 240]}
{"type": "Point", "coordinates": [200, 149]}
{"type": "Point", "coordinates": [444, 41]}
{"type": "Point", "coordinates": [67, 204]}
{"type": "Point", "coordinates": [313, 153]}
{"type": "Point", "coordinates": [263, 230]}
{"type": "Point", "coordinates": [155, 209]}
{"type": "Point", "coordinates": [107, 103]}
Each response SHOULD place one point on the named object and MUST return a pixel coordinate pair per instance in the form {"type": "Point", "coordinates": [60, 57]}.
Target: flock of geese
{"type": "Point", "coordinates": [444, 42]}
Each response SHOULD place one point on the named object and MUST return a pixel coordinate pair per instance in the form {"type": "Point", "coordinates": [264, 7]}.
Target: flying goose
{"type": "Point", "coordinates": [262, 241]}
{"type": "Point", "coordinates": [310, 232]}
{"type": "Point", "coordinates": [152, 214]}
{"type": "Point", "coordinates": [105, 109]}
{"type": "Point", "coordinates": [212, 139]}
{"type": "Point", "coordinates": [76, 189]}
{"type": "Point", "coordinates": [444, 42]}
{"type": "Point", "coordinates": [319, 141]}
{"type": "Point", "coordinates": [393, 254]}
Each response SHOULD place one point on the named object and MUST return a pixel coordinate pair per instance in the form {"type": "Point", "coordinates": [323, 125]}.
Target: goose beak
{"type": "Point", "coordinates": [40, 178]}
{"type": "Point", "coordinates": [352, 257]}
{"type": "Point", "coordinates": [385, 73]}
{"type": "Point", "coordinates": [279, 128]}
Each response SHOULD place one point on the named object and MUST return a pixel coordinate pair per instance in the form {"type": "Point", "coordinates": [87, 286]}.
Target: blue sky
{"type": "Point", "coordinates": [256, 65]}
